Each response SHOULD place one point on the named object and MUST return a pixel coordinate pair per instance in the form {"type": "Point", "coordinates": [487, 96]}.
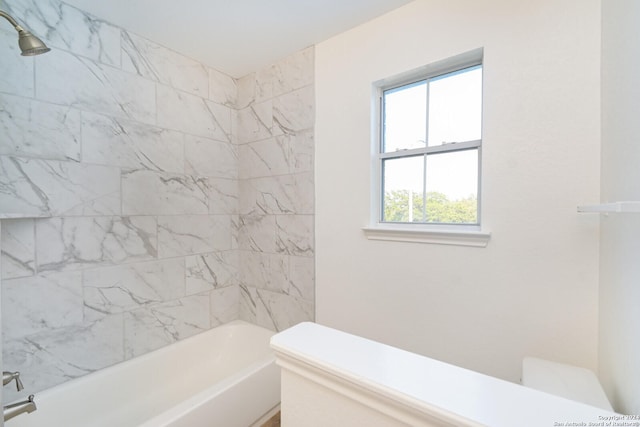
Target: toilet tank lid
{"type": "Point", "coordinates": [564, 380]}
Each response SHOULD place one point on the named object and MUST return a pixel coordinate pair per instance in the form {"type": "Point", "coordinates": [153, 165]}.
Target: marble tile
{"type": "Point", "coordinates": [63, 78]}
{"type": "Point", "coordinates": [235, 231]}
{"type": "Point", "coordinates": [157, 63]}
{"type": "Point", "coordinates": [301, 148]}
{"type": "Point", "coordinates": [223, 89]}
{"type": "Point", "coordinates": [300, 190]}
{"type": "Point", "coordinates": [155, 193]}
{"type": "Point", "coordinates": [177, 167]}
{"type": "Point", "coordinates": [234, 127]}
{"type": "Point", "coordinates": [55, 188]}
{"type": "Point", "coordinates": [193, 234]}
{"type": "Point", "coordinates": [269, 157]}
{"type": "Point", "coordinates": [255, 87]}
{"type": "Point", "coordinates": [246, 91]}
{"type": "Point", "coordinates": [130, 145]}
{"type": "Point", "coordinates": [222, 115]}
{"type": "Point", "coordinates": [294, 72]}
{"type": "Point", "coordinates": [265, 271]}
{"type": "Point", "coordinates": [258, 196]}
{"type": "Point", "coordinates": [192, 114]}
{"type": "Point", "coordinates": [278, 274]}
{"type": "Point", "coordinates": [283, 194]}
{"type": "Point", "coordinates": [291, 275]}
{"type": "Point", "coordinates": [152, 327]}
{"type": "Point", "coordinates": [264, 83]}
{"type": "Point", "coordinates": [65, 27]}
{"type": "Point", "coordinates": [294, 111]}
{"type": "Point", "coordinates": [255, 269]}
{"type": "Point", "coordinates": [294, 235]}
{"type": "Point", "coordinates": [273, 310]}
{"type": "Point", "coordinates": [16, 72]}
{"type": "Point", "coordinates": [41, 303]}
{"type": "Point", "coordinates": [210, 271]}
{"type": "Point", "coordinates": [225, 305]}
{"type": "Point", "coordinates": [247, 304]}
{"type": "Point", "coordinates": [59, 355]}
{"type": "Point", "coordinates": [282, 311]}
{"type": "Point", "coordinates": [223, 196]}
{"type": "Point", "coordinates": [283, 154]}
{"type": "Point", "coordinates": [210, 158]}
{"type": "Point", "coordinates": [255, 122]}
{"type": "Point", "coordinates": [37, 129]}
{"type": "Point", "coordinates": [257, 233]}
{"type": "Point", "coordinates": [78, 243]}
{"type": "Point", "coordinates": [302, 278]}
{"type": "Point", "coordinates": [126, 287]}
{"type": "Point", "coordinates": [18, 248]}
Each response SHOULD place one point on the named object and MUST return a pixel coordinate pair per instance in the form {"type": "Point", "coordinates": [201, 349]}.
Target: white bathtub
{"type": "Point", "coordinates": [224, 377]}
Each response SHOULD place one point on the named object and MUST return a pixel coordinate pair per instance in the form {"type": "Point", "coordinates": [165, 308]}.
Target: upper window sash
{"type": "Point", "coordinates": [419, 96]}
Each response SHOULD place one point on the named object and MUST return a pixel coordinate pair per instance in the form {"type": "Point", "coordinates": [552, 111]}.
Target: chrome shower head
{"type": "Point", "coordinates": [29, 44]}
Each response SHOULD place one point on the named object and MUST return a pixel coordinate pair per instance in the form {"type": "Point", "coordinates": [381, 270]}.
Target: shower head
{"type": "Point", "coordinates": [29, 44]}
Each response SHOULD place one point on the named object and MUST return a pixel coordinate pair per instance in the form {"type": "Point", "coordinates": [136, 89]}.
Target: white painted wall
{"type": "Point", "coordinates": [619, 346]}
{"type": "Point", "coordinates": [534, 289]}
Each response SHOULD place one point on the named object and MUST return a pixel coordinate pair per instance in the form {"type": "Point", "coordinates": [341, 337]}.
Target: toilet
{"type": "Point", "coordinates": [563, 380]}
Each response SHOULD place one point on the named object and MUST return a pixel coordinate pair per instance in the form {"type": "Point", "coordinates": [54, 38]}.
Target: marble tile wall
{"type": "Point", "coordinates": [176, 197]}
{"type": "Point", "coordinates": [275, 136]}
{"type": "Point", "coordinates": [128, 150]}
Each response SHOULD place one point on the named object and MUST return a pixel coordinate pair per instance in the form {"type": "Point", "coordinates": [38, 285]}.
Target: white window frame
{"type": "Point", "coordinates": [449, 234]}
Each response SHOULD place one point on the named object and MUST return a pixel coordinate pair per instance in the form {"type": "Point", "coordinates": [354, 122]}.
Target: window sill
{"type": "Point", "coordinates": [471, 238]}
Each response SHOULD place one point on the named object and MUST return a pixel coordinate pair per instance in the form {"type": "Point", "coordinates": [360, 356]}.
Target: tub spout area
{"type": "Point", "coordinates": [228, 374]}
{"type": "Point", "coordinates": [18, 408]}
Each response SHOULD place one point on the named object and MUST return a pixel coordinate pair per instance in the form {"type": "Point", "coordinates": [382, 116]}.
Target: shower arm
{"type": "Point", "coordinates": [13, 22]}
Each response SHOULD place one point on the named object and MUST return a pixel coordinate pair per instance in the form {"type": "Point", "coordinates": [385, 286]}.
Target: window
{"type": "Point", "coordinates": [429, 149]}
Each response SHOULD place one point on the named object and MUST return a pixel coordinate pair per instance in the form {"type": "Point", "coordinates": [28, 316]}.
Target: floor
{"type": "Point", "coordinates": [273, 421]}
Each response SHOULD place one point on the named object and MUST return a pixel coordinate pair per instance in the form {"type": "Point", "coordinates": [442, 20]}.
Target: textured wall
{"type": "Point", "coordinates": [534, 289]}
{"type": "Point", "coordinates": [130, 151]}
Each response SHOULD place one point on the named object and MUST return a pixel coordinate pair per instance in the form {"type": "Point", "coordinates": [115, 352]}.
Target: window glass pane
{"type": "Point", "coordinates": [403, 189]}
{"type": "Point", "coordinates": [455, 107]}
{"type": "Point", "coordinates": [452, 187]}
{"type": "Point", "coordinates": [405, 117]}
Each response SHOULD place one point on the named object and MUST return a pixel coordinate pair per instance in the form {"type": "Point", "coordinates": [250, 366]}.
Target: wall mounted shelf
{"type": "Point", "coordinates": [613, 207]}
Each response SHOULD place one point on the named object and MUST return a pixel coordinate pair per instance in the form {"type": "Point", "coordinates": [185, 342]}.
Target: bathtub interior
{"type": "Point", "coordinates": [236, 401]}
{"type": "Point", "coordinates": [132, 392]}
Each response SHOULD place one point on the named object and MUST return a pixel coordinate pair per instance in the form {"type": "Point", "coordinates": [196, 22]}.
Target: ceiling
{"type": "Point", "coordinates": [237, 36]}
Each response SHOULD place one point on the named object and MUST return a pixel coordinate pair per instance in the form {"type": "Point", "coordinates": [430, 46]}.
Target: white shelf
{"type": "Point", "coordinates": [614, 207]}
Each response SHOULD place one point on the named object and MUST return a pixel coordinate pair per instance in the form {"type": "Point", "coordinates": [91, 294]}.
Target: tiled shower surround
{"type": "Point", "coordinates": [175, 198]}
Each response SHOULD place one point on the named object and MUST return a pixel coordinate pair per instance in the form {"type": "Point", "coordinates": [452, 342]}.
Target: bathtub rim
{"type": "Point", "coordinates": [58, 388]}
